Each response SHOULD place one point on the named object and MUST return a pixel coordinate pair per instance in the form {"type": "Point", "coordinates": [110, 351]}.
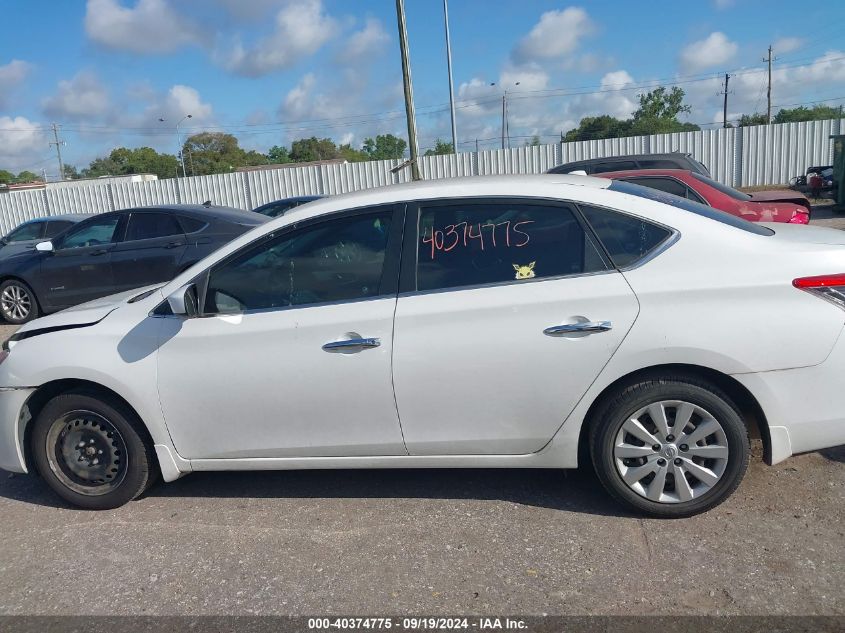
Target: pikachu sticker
{"type": "Point", "coordinates": [524, 272]}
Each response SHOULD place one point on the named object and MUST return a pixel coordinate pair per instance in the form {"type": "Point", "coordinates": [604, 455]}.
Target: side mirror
{"type": "Point", "coordinates": [44, 247]}
{"type": "Point", "coordinates": [183, 302]}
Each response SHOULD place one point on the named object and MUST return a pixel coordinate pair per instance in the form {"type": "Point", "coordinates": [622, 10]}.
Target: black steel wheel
{"type": "Point", "coordinates": [91, 451]}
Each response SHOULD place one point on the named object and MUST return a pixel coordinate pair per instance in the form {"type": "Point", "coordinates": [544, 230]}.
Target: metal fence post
{"type": "Point", "coordinates": [737, 157]}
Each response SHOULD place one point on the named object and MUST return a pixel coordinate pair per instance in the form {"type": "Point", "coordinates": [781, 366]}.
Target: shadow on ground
{"type": "Point", "coordinates": [569, 490]}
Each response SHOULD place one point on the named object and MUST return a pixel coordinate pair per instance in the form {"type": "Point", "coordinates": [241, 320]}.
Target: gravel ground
{"type": "Point", "coordinates": [427, 542]}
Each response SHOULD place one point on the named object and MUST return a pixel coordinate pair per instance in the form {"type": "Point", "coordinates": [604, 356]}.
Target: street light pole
{"type": "Point", "coordinates": [179, 140]}
{"type": "Point", "coordinates": [451, 86]}
{"type": "Point", "coordinates": [409, 90]}
{"type": "Point", "coordinates": [179, 143]}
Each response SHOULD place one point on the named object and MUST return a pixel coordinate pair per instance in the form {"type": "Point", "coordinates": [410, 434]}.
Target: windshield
{"type": "Point", "coordinates": [689, 205]}
{"type": "Point", "coordinates": [728, 191]}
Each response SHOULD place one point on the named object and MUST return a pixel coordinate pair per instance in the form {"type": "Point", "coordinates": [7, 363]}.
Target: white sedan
{"type": "Point", "coordinates": [510, 322]}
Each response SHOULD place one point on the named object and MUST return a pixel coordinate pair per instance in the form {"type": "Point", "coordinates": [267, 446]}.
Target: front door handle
{"type": "Point", "coordinates": [101, 251]}
{"type": "Point", "coordinates": [174, 244]}
{"type": "Point", "coordinates": [589, 327]}
{"type": "Point", "coordinates": [352, 345]}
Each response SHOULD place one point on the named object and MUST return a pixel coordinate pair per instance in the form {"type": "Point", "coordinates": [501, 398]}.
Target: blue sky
{"type": "Point", "coordinates": [271, 71]}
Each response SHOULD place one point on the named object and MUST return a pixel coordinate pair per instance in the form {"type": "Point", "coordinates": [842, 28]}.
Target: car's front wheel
{"type": "Point", "coordinates": [669, 447]}
{"type": "Point", "coordinates": [17, 302]}
{"type": "Point", "coordinates": [90, 451]}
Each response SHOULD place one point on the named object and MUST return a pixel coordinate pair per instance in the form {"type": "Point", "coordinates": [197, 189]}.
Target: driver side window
{"type": "Point", "coordinates": [92, 233]}
{"type": "Point", "coordinates": [336, 260]}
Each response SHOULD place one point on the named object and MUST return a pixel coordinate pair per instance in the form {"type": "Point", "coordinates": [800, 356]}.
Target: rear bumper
{"type": "Point", "coordinates": [804, 408]}
{"type": "Point", "coordinates": [13, 419]}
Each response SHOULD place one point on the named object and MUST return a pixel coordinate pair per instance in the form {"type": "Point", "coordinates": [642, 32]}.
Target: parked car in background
{"type": "Point", "coordinates": [114, 252]}
{"type": "Point", "coordinates": [761, 206]}
{"type": "Point", "coordinates": [504, 322]}
{"type": "Point", "coordinates": [280, 207]}
{"type": "Point", "coordinates": [672, 160]}
{"type": "Point", "coordinates": [28, 234]}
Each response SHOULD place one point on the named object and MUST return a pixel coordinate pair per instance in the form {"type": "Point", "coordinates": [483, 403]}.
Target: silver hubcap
{"type": "Point", "coordinates": [671, 451]}
{"type": "Point", "coordinates": [15, 302]}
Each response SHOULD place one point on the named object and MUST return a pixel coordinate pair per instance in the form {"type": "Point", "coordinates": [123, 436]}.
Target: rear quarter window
{"type": "Point", "coordinates": [626, 239]}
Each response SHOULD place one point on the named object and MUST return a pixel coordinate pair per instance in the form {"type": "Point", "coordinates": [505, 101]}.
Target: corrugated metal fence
{"type": "Point", "coordinates": [760, 155]}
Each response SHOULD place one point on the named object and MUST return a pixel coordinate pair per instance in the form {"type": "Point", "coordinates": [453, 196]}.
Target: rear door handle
{"type": "Point", "coordinates": [174, 244]}
{"type": "Point", "coordinates": [352, 345]}
{"type": "Point", "coordinates": [101, 251]}
{"type": "Point", "coordinates": [589, 327]}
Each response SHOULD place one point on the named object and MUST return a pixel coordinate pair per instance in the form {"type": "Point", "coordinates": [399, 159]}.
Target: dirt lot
{"type": "Point", "coordinates": [427, 542]}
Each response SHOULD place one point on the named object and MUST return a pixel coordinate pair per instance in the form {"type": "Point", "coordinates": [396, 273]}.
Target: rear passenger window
{"type": "Point", "coordinates": [191, 225]}
{"type": "Point", "coordinates": [669, 185]}
{"type": "Point", "coordinates": [473, 244]}
{"type": "Point", "coordinates": [603, 168]}
{"type": "Point", "coordinates": [626, 238]}
{"type": "Point", "coordinates": [146, 226]}
{"type": "Point", "coordinates": [657, 163]}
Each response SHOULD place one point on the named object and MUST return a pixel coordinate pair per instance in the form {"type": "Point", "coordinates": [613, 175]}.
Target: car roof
{"type": "Point", "coordinates": [472, 186]}
{"type": "Point", "coordinates": [645, 172]}
{"type": "Point", "coordinates": [294, 199]}
{"type": "Point", "coordinates": [66, 217]}
{"type": "Point", "coordinates": [626, 157]}
{"type": "Point", "coordinates": [228, 214]}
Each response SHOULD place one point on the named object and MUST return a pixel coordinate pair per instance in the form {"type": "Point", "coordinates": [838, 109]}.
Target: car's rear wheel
{"type": "Point", "coordinates": [669, 447]}
{"type": "Point", "coordinates": [90, 452]}
{"type": "Point", "coordinates": [17, 302]}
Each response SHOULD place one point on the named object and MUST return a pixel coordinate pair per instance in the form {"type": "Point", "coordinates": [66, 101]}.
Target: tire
{"type": "Point", "coordinates": [646, 477]}
{"type": "Point", "coordinates": [17, 302]}
{"type": "Point", "coordinates": [89, 450]}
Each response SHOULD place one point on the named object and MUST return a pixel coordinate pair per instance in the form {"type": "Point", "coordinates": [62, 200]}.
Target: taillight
{"type": "Point", "coordinates": [828, 287]}
{"type": "Point", "coordinates": [800, 216]}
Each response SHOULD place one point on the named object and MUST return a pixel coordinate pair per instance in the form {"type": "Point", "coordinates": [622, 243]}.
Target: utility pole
{"type": "Point", "coordinates": [504, 106]}
{"type": "Point", "coordinates": [449, 66]}
{"type": "Point", "coordinates": [769, 91]}
{"type": "Point", "coordinates": [725, 109]}
{"type": "Point", "coordinates": [409, 90]}
{"type": "Point", "coordinates": [58, 145]}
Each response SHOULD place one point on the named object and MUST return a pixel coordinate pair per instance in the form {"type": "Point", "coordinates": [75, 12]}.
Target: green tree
{"type": "Point", "coordinates": [658, 112]}
{"type": "Point", "coordinates": [352, 155]}
{"type": "Point", "coordinates": [6, 177]}
{"type": "Point", "coordinates": [534, 141]}
{"type": "Point", "coordinates": [384, 147]}
{"type": "Point", "coordinates": [802, 113]}
{"type": "Point", "coordinates": [752, 119]}
{"type": "Point", "coordinates": [71, 172]}
{"type": "Point", "coordinates": [598, 127]}
{"type": "Point", "coordinates": [278, 155]}
{"type": "Point", "coordinates": [28, 176]}
{"type": "Point", "coordinates": [311, 149]}
{"type": "Point", "coordinates": [440, 148]}
{"type": "Point", "coordinates": [217, 153]}
{"type": "Point", "coordinates": [123, 161]}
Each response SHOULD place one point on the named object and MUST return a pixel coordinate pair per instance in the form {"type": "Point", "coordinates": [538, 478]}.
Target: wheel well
{"type": "Point", "coordinates": [750, 410]}
{"type": "Point", "coordinates": [50, 390]}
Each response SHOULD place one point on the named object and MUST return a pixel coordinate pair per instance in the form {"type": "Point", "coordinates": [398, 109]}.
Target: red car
{"type": "Point", "coordinates": [760, 206]}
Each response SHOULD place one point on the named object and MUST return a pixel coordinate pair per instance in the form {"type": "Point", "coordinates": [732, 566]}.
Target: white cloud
{"type": "Point", "coordinates": [182, 100]}
{"type": "Point", "coordinates": [556, 35]}
{"type": "Point", "coordinates": [787, 45]}
{"type": "Point", "coordinates": [302, 28]}
{"type": "Point", "coordinates": [151, 26]}
{"type": "Point", "coordinates": [81, 98]}
{"type": "Point", "coordinates": [713, 50]}
{"type": "Point", "coordinates": [11, 76]}
{"type": "Point", "coordinates": [23, 144]}
{"type": "Point", "coordinates": [366, 42]}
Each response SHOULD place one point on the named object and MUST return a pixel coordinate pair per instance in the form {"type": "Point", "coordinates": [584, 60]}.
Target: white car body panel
{"type": "Point", "coordinates": [494, 383]}
{"type": "Point", "coordinates": [718, 298]}
{"type": "Point", "coordinates": [286, 396]}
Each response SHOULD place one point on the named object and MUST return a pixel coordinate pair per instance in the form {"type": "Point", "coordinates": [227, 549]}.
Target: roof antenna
{"type": "Point", "coordinates": [206, 204]}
